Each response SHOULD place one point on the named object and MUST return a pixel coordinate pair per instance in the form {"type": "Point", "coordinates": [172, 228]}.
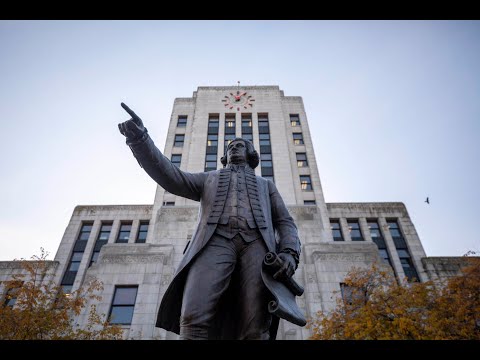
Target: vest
{"type": "Point", "coordinates": [237, 217]}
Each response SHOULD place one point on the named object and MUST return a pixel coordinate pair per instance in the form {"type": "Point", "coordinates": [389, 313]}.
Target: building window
{"type": "Point", "coordinates": [402, 250]}
{"type": "Point", "coordinates": [85, 232]}
{"type": "Point", "coordinates": [123, 305]}
{"type": "Point", "coordinates": [266, 160]}
{"type": "Point", "coordinates": [302, 160]}
{"type": "Point", "coordinates": [396, 235]}
{"type": "Point", "coordinates": [229, 124]}
{"type": "Point", "coordinates": [124, 232]}
{"type": "Point", "coordinates": [212, 140]}
{"type": "Point", "coordinates": [375, 233]}
{"type": "Point", "coordinates": [306, 182]}
{"type": "Point", "coordinates": [177, 160]}
{"type": "Point", "coordinates": [263, 126]}
{"type": "Point", "coordinates": [142, 232]}
{"type": "Point", "coordinates": [378, 239]}
{"type": "Point", "coordinates": [230, 127]}
{"type": "Point", "coordinates": [74, 263]}
{"type": "Point", "coordinates": [265, 145]}
{"type": "Point", "coordinates": [228, 139]}
{"type": "Point", "coordinates": [67, 289]}
{"type": "Point", "coordinates": [12, 293]}
{"type": "Point", "coordinates": [355, 232]}
{"type": "Point", "coordinates": [95, 257]}
{"type": "Point", "coordinates": [210, 162]}
{"type": "Point", "coordinates": [266, 165]}
{"type": "Point", "coordinates": [182, 121]}
{"type": "Point", "coordinates": [347, 295]}
{"type": "Point", "coordinates": [264, 139]}
{"type": "Point", "coordinates": [294, 120]}
{"type": "Point", "coordinates": [246, 124]}
{"type": "Point", "coordinates": [212, 144]}
{"type": "Point", "coordinates": [407, 266]}
{"type": "Point", "coordinates": [179, 139]}
{"type": "Point", "coordinates": [213, 124]}
{"type": "Point", "coordinates": [229, 130]}
{"type": "Point", "coordinates": [169, 203]}
{"type": "Point", "coordinates": [247, 127]}
{"type": "Point", "coordinates": [309, 202]}
{"type": "Point", "coordinates": [267, 171]}
{"type": "Point", "coordinates": [351, 294]}
{"type": "Point", "coordinates": [248, 137]}
{"type": "Point", "coordinates": [336, 230]}
{"type": "Point", "coordinates": [105, 231]}
{"type": "Point", "coordinates": [10, 298]}
{"type": "Point", "coordinates": [102, 239]}
{"type": "Point", "coordinates": [298, 139]}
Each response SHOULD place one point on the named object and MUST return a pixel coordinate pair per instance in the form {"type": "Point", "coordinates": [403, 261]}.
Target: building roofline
{"type": "Point", "coordinates": [396, 203]}
{"type": "Point", "coordinates": [112, 207]}
{"type": "Point", "coordinates": [17, 264]}
{"type": "Point", "coordinates": [244, 87]}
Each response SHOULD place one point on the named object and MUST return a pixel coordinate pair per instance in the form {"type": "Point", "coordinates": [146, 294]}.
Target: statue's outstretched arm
{"type": "Point", "coordinates": [159, 167]}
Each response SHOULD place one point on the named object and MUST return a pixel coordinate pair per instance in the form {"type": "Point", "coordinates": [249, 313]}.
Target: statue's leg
{"type": "Point", "coordinates": [255, 320]}
{"type": "Point", "coordinates": [207, 279]}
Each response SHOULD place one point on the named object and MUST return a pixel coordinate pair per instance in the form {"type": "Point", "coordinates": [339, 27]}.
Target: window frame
{"type": "Point", "coordinates": [337, 221]}
{"type": "Point", "coordinates": [177, 142]}
{"type": "Point", "coordinates": [351, 229]}
{"type": "Point", "coordinates": [182, 117]}
{"type": "Point", "coordinates": [301, 163]}
{"type": "Point", "coordinates": [137, 238]}
{"type": "Point", "coordinates": [113, 305]}
{"type": "Point", "coordinates": [295, 122]}
{"type": "Point", "coordinates": [176, 163]}
{"type": "Point", "coordinates": [308, 184]}
{"type": "Point", "coordinates": [301, 141]}
{"type": "Point", "coordinates": [124, 223]}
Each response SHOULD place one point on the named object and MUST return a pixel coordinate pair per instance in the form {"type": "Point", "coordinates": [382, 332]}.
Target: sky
{"type": "Point", "coordinates": [393, 109]}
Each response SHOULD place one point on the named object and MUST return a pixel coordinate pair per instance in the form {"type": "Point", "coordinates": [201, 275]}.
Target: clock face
{"type": "Point", "coordinates": [238, 100]}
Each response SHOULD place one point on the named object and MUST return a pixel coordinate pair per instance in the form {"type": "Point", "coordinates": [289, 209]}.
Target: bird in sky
{"type": "Point", "coordinates": [427, 201]}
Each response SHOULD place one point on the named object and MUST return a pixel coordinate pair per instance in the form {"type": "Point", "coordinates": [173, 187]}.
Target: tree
{"type": "Point", "coordinates": [376, 306]}
{"type": "Point", "coordinates": [37, 309]}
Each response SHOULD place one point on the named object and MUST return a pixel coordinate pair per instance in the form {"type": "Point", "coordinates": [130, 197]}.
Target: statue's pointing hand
{"type": "Point", "coordinates": [132, 129]}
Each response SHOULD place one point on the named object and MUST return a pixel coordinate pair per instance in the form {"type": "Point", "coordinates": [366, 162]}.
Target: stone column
{"type": "Point", "coordinates": [391, 248]}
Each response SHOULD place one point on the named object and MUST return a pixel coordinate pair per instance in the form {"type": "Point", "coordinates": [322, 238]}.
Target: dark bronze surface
{"type": "Point", "coordinates": [235, 278]}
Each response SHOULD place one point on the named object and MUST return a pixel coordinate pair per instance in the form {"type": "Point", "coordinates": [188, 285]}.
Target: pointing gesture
{"type": "Point", "coordinates": [132, 129]}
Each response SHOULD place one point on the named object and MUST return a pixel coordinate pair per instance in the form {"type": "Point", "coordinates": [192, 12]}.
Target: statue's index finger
{"type": "Point", "coordinates": [130, 111]}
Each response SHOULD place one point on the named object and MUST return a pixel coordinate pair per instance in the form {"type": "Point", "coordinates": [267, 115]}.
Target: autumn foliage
{"type": "Point", "coordinates": [378, 307]}
{"type": "Point", "coordinates": [43, 312]}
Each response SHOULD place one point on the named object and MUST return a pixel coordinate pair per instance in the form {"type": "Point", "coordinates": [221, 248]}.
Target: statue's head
{"type": "Point", "coordinates": [240, 151]}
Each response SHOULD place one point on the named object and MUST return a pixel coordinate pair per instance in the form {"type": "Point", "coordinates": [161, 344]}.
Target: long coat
{"type": "Point", "coordinates": [210, 188]}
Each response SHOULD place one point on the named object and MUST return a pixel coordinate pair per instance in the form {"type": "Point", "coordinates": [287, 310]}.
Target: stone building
{"type": "Point", "coordinates": [134, 249]}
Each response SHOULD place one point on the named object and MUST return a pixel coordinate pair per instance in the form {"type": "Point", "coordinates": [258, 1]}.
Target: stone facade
{"type": "Point", "coordinates": [150, 265]}
{"type": "Point", "coordinates": [10, 270]}
{"type": "Point", "coordinates": [443, 268]}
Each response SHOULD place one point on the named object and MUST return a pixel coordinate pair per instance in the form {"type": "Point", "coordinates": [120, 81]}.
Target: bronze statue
{"type": "Point", "coordinates": [219, 289]}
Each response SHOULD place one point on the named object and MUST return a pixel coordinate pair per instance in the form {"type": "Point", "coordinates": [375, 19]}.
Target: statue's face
{"type": "Point", "coordinates": [236, 152]}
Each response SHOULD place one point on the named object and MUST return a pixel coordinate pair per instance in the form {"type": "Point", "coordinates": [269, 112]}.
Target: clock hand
{"type": "Point", "coordinates": [238, 97]}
